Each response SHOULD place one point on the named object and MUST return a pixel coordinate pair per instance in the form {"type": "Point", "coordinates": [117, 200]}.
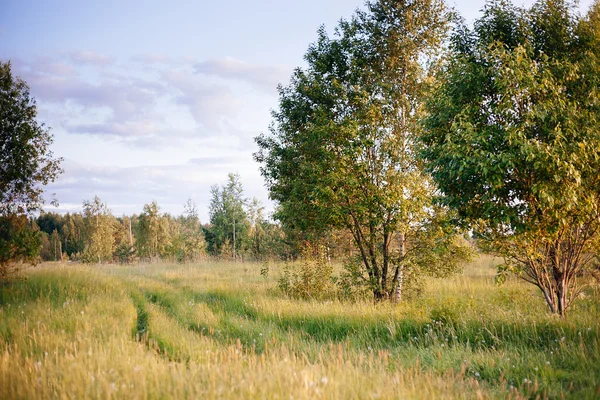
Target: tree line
{"type": "Point", "coordinates": [237, 229]}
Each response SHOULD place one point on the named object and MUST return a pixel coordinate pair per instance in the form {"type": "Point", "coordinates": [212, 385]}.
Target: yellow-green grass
{"type": "Point", "coordinates": [222, 330]}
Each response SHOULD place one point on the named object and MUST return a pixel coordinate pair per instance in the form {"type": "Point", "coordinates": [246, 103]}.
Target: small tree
{"type": "Point", "coordinates": [228, 219]}
{"type": "Point", "coordinates": [190, 238]}
{"type": "Point", "coordinates": [26, 166]}
{"type": "Point", "coordinates": [148, 228]}
{"type": "Point", "coordinates": [513, 140]}
{"type": "Point", "coordinates": [99, 224]}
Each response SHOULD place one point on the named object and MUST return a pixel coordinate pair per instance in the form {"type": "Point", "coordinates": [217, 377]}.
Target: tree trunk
{"type": "Point", "coordinates": [399, 282]}
{"type": "Point", "coordinates": [234, 239]}
{"type": "Point", "coordinates": [130, 234]}
{"type": "Point", "coordinates": [400, 272]}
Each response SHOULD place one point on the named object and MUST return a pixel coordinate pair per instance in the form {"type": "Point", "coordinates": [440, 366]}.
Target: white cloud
{"type": "Point", "coordinates": [210, 104]}
{"type": "Point", "coordinates": [265, 77]}
{"type": "Point", "coordinates": [90, 57]}
{"type": "Point", "coordinates": [126, 190]}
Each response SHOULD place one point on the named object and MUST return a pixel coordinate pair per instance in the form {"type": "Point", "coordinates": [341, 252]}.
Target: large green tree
{"type": "Point", "coordinates": [340, 153]}
{"type": "Point", "coordinates": [513, 139]}
{"type": "Point", "coordinates": [26, 165]}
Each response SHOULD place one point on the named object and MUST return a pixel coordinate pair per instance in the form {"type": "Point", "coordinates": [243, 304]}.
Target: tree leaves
{"type": "Point", "coordinates": [512, 137]}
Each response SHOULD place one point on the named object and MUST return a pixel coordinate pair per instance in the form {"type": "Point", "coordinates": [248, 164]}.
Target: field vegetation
{"type": "Point", "coordinates": [220, 329]}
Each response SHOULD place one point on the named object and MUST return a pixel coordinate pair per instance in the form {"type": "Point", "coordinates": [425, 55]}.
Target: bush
{"type": "Point", "coordinates": [309, 278]}
{"type": "Point", "coordinates": [20, 243]}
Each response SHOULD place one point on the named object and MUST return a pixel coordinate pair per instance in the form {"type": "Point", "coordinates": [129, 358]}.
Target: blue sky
{"type": "Point", "coordinates": [156, 100]}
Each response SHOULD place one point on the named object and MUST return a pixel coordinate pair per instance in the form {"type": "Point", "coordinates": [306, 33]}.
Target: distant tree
{"type": "Point", "coordinates": [49, 222]}
{"type": "Point", "coordinates": [26, 166]}
{"type": "Point", "coordinates": [341, 151]}
{"type": "Point", "coordinates": [228, 218]}
{"type": "Point", "coordinates": [124, 245]}
{"type": "Point", "coordinates": [513, 140]}
{"type": "Point", "coordinates": [154, 233]}
{"type": "Point", "coordinates": [73, 235]}
{"type": "Point", "coordinates": [55, 246]}
{"type": "Point", "coordinates": [99, 226]}
{"type": "Point", "coordinates": [256, 219]}
{"type": "Point", "coordinates": [190, 238]}
{"type": "Point", "coordinates": [148, 231]}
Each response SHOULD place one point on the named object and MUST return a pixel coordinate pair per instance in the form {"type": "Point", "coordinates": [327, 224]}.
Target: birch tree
{"type": "Point", "coordinates": [341, 149]}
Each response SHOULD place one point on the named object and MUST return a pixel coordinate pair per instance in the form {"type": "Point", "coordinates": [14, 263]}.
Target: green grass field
{"type": "Point", "coordinates": [218, 330]}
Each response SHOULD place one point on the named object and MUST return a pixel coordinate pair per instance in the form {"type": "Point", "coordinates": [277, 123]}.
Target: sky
{"type": "Point", "coordinates": [159, 100]}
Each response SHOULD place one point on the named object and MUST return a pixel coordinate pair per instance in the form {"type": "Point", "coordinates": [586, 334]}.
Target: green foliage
{"type": "Point", "coordinates": [125, 253]}
{"type": "Point", "coordinates": [190, 234]}
{"type": "Point", "coordinates": [20, 242]}
{"type": "Point", "coordinates": [27, 162]}
{"type": "Point", "coordinates": [341, 149]}
{"type": "Point", "coordinates": [72, 234]}
{"type": "Point", "coordinates": [512, 139]}
{"type": "Point", "coordinates": [26, 165]}
{"type": "Point", "coordinates": [309, 278]}
{"type": "Point", "coordinates": [155, 233]}
{"type": "Point", "coordinates": [228, 219]}
{"type": "Point", "coordinates": [445, 314]}
{"type": "Point", "coordinates": [99, 230]}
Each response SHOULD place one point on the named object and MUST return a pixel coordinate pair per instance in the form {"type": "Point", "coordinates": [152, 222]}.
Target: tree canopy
{"type": "Point", "coordinates": [229, 227]}
{"type": "Point", "coordinates": [512, 139]}
{"type": "Point", "coordinates": [340, 152]}
{"type": "Point", "coordinates": [27, 163]}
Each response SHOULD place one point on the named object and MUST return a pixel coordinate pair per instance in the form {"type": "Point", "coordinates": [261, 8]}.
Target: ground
{"type": "Point", "coordinates": [212, 330]}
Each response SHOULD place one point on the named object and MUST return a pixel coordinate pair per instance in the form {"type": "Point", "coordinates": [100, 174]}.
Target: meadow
{"type": "Point", "coordinates": [223, 330]}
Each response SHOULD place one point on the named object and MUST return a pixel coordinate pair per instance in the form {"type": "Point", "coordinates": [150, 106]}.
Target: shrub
{"type": "Point", "coordinates": [309, 278]}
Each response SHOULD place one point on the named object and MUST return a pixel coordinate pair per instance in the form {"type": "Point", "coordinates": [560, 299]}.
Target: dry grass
{"type": "Point", "coordinates": [221, 330]}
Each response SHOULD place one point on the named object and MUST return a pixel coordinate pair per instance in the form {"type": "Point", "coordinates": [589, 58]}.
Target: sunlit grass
{"type": "Point", "coordinates": [223, 330]}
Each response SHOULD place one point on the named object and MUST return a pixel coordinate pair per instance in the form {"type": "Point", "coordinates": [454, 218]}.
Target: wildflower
{"type": "Point", "coordinates": [324, 380]}
{"type": "Point", "coordinates": [547, 362]}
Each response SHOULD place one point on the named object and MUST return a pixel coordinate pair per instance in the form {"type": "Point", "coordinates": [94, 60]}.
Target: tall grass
{"type": "Point", "coordinates": [223, 330]}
